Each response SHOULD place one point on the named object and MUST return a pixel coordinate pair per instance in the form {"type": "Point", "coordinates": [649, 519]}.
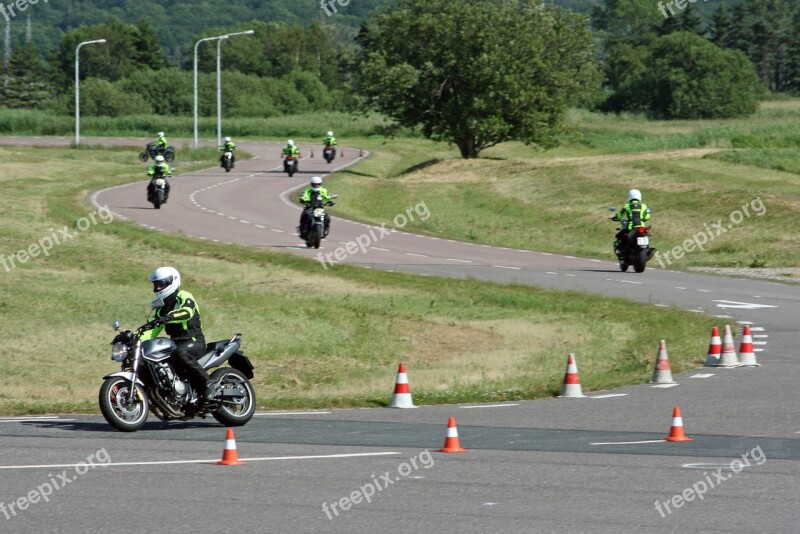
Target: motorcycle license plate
{"type": "Point", "coordinates": [643, 241]}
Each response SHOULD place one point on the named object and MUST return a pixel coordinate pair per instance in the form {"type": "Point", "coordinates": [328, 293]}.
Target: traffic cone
{"type": "Point", "coordinates": [229, 455]}
{"type": "Point", "coordinates": [714, 348]}
{"type": "Point", "coordinates": [728, 357]}
{"type": "Point", "coordinates": [402, 392]}
{"type": "Point", "coordinates": [662, 374]}
{"type": "Point", "coordinates": [341, 152]}
{"type": "Point", "coordinates": [676, 430]}
{"type": "Point", "coordinates": [572, 382]}
{"type": "Point", "coordinates": [312, 153]}
{"type": "Point", "coordinates": [360, 152]}
{"type": "Point", "coordinates": [451, 442]}
{"type": "Point", "coordinates": [747, 357]}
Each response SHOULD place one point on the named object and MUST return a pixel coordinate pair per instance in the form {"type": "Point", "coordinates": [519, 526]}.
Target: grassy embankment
{"type": "Point", "coordinates": [693, 174]}
{"type": "Point", "coordinates": [317, 338]}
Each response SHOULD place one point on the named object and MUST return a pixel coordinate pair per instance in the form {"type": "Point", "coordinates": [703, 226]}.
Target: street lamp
{"type": "Point", "coordinates": [78, 88]}
{"type": "Point", "coordinates": [219, 39]}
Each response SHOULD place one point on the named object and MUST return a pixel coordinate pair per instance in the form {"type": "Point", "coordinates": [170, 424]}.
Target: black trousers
{"type": "Point", "coordinates": [304, 220]}
{"type": "Point", "coordinates": [185, 359]}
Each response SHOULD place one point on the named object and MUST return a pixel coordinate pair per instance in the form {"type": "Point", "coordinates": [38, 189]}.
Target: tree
{"type": "Point", "coordinates": [720, 27]}
{"type": "Point", "coordinates": [688, 77]}
{"type": "Point", "coordinates": [478, 75]}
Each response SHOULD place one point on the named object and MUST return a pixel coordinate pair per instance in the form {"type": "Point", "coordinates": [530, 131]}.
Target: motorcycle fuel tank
{"type": "Point", "coordinates": [157, 349]}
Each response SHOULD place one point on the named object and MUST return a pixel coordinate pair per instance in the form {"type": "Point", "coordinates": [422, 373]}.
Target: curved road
{"type": "Point", "coordinates": [568, 465]}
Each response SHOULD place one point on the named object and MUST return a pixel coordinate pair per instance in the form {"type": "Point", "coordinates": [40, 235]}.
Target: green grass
{"type": "Point", "coordinates": [690, 173]}
{"type": "Point", "coordinates": [338, 345]}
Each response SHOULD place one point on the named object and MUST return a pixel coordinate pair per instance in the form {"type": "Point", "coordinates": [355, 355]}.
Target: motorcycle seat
{"type": "Point", "coordinates": [215, 346]}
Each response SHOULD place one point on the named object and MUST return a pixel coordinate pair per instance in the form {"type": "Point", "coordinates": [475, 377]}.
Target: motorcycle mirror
{"type": "Point", "coordinates": [334, 196]}
{"type": "Point", "coordinates": [158, 303]}
{"type": "Point", "coordinates": [115, 325]}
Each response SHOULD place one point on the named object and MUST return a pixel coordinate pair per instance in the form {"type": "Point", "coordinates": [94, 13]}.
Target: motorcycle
{"type": "Point", "coordinates": [147, 381]}
{"type": "Point", "coordinates": [290, 165]}
{"type": "Point", "coordinates": [152, 150]}
{"type": "Point", "coordinates": [634, 250]}
{"type": "Point", "coordinates": [314, 230]}
{"type": "Point", "coordinates": [157, 190]}
{"type": "Point", "coordinates": [227, 160]}
{"type": "Point", "coordinates": [329, 153]}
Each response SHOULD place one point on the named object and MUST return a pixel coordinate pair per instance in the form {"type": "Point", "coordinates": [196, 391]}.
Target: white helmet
{"type": "Point", "coordinates": [634, 194]}
{"type": "Point", "coordinates": [330, 134]}
{"type": "Point", "coordinates": [166, 281]}
{"type": "Point", "coordinates": [316, 182]}
{"type": "Point", "coordinates": [161, 134]}
{"type": "Point", "coordinates": [159, 159]}
{"type": "Point", "coordinates": [227, 139]}
{"type": "Point", "coordinates": [290, 142]}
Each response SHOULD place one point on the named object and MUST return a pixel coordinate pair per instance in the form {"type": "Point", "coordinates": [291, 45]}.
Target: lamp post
{"type": "Point", "coordinates": [219, 39]}
{"type": "Point", "coordinates": [78, 88]}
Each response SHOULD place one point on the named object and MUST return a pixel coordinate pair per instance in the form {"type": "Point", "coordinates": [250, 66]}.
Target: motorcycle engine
{"type": "Point", "coordinates": [176, 387]}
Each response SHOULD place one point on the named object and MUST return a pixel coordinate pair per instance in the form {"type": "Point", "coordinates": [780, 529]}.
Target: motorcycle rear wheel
{"type": "Point", "coordinates": [169, 155]}
{"type": "Point", "coordinates": [143, 156]}
{"type": "Point", "coordinates": [234, 413]}
{"type": "Point", "coordinates": [640, 261]}
{"type": "Point", "coordinates": [114, 405]}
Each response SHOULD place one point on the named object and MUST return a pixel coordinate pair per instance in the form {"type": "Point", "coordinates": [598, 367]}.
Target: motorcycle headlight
{"type": "Point", "coordinates": [119, 351]}
{"type": "Point", "coordinates": [318, 212]}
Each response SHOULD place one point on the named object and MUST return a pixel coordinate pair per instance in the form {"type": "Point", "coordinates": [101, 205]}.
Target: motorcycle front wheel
{"type": "Point", "coordinates": [317, 235]}
{"type": "Point", "coordinates": [143, 156]}
{"type": "Point", "coordinates": [235, 411]}
{"type": "Point", "coordinates": [123, 415]}
{"type": "Point", "coordinates": [169, 155]}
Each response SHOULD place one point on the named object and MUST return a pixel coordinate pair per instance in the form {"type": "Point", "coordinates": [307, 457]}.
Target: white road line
{"type": "Point", "coordinates": [759, 342]}
{"type": "Point", "coordinates": [278, 231]}
{"type": "Point", "coordinates": [507, 267]}
{"type": "Point", "coordinates": [702, 375]}
{"type": "Point", "coordinates": [756, 336]}
{"type": "Point", "coordinates": [488, 406]}
{"type": "Point", "coordinates": [550, 272]}
{"type": "Point", "coordinates": [755, 328]}
{"type": "Point", "coordinates": [722, 316]}
{"type": "Point", "coordinates": [289, 413]}
{"type": "Point", "coordinates": [417, 255]}
{"type": "Point", "coordinates": [609, 396]}
{"type": "Point", "coordinates": [456, 259]}
{"type": "Point", "coordinates": [630, 442]}
{"type": "Point", "coordinates": [167, 462]}
{"type": "Point", "coordinates": [704, 290]}
{"type": "Point", "coordinates": [381, 249]}
{"type": "Point", "coordinates": [663, 386]}
{"type": "Point", "coordinates": [259, 226]}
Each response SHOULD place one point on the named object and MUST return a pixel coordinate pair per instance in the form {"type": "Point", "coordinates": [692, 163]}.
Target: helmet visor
{"type": "Point", "coordinates": [160, 285]}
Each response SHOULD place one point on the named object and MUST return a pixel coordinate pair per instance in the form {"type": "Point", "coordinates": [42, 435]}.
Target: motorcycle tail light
{"type": "Point", "coordinates": [642, 230]}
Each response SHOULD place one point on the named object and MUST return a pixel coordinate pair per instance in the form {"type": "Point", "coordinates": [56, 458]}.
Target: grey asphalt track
{"type": "Point", "coordinates": [593, 464]}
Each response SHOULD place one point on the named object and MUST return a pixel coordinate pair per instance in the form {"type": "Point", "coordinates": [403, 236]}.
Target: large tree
{"type": "Point", "coordinates": [476, 73]}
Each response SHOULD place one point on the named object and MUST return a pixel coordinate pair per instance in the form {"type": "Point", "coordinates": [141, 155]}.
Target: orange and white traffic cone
{"type": "Point", "coordinates": [402, 392]}
{"type": "Point", "coordinates": [714, 348]}
{"type": "Point", "coordinates": [728, 357]}
{"type": "Point", "coordinates": [676, 430]}
{"type": "Point", "coordinates": [572, 382]}
{"type": "Point", "coordinates": [662, 374]}
{"type": "Point", "coordinates": [229, 454]}
{"type": "Point", "coordinates": [747, 356]}
{"type": "Point", "coordinates": [451, 442]}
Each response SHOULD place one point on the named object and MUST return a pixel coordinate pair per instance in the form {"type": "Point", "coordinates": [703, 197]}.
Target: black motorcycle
{"type": "Point", "coordinates": [329, 153]}
{"type": "Point", "coordinates": [290, 165]}
{"type": "Point", "coordinates": [313, 231]}
{"type": "Point", "coordinates": [157, 190]}
{"type": "Point", "coordinates": [152, 150]}
{"type": "Point", "coordinates": [632, 247]}
{"type": "Point", "coordinates": [226, 160]}
{"type": "Point", "coordinates": [148, 381]}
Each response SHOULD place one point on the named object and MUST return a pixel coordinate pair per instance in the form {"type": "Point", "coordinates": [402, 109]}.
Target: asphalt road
{"type": "Point", "coordinates": [595, 464]}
